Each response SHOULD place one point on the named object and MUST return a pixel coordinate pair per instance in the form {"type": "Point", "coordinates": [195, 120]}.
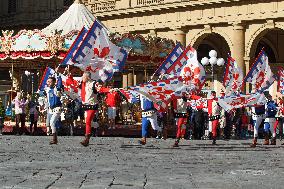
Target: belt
{"type": "Point", "coordinates": [148, 113]}
{"type": "Point", "coordinates": [180, 115]}
{"type": "Point", "coordinates": [212, 118]}
{"type": "Point", "coordinates": [89, 107]}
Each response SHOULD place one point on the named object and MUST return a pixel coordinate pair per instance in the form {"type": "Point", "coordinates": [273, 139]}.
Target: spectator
{"type": "Point", "coordinates": [112, 101]}
{"type": "Point", "coordinates": [33, 109]}
{"type": "Point", "coordinates": [20, 112]}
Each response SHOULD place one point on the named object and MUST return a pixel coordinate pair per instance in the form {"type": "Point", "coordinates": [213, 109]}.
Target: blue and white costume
{"type": "Point", "coordinates": [258, 114]}
{"type": "Point", "coordinates": [149, 115]}
{"type": "Point", "coordinates": [54, 105]}
{"type": "Point", "coordinates": [270, 112]}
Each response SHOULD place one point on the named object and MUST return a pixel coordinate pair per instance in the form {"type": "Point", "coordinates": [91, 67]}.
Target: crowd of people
{"type": "Point", "coordinates": [191, 117]}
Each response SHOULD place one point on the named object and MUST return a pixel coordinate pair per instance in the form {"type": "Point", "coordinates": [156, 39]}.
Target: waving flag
{"type": "Point", "coordinates": [233, 77]}
{"type": "Point", "coordinates": [191, 78]}
{"type": "Point", "coordinates": [71, 85]}
{"type": "Point", "coordinates": [47, 73]}
{"type": "Point", "coordinates": [281, 81]}
{"type": "Point", "coordinates": [131, 95]}
{"type": "Point", "coordinates": [96, 48]}
{"type": "Point", "coordinates": [233, 102]}
{"type": "Point", "coordinates": [260, 75]}
{"type": "Point", "coordinates": [68, 58]}
{"type": "Point", "coordinates": [188, 54]}
{"type": "Point", "coordinates": [172, 57]}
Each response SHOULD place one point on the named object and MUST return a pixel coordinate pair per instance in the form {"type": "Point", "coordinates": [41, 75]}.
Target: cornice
{"type": "Point", "coordinates": [164, 6]}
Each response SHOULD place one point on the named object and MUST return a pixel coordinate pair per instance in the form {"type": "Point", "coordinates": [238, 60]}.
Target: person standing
{"type": "Point", "coordinates": [20, 112]}
{"type": "Point", "coordinates": [258, 113]}
{"type": "Point", "coordinates": [53, 93]}
{"type": "Point", "coordinates": [181, 116]}
{"type": "Point", "coordinates": [214, 111]}
{"type": "Point", "coordinates": [33, 109]}
{"type": "Point", "coordinates": [112, 98]}
{"type": "Point", "coordinates": [149, 115]}
{"type": "Point", "coordinates": [270, 112]}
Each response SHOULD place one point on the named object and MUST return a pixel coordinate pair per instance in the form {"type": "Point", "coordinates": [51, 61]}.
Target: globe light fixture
{"type": "Point", "coordinates": [212, 61]}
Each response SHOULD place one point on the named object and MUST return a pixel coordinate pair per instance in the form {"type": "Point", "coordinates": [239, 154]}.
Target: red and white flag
{"type": "Point", "coordinates": [233, 77]}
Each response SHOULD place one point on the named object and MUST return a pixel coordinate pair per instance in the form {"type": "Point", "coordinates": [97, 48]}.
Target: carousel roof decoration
{"type": "Point", "coordinates": [144, 50]}
{"type": "Point", "coordinates": [55, 40]}
{"type": "Point", "coordinates": [31, 44]}
{"type": "Point", "coordinates": [73, 19]}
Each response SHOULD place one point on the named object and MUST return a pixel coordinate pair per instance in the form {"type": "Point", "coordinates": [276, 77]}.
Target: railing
{"type": "Point", "coordinates": [149, 2]}
{"type": "Point", "coordinates": [102, 6]}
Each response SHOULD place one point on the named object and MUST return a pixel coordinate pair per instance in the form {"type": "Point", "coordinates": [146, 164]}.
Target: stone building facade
{"type": "Point", "coordinates": [238, 27]}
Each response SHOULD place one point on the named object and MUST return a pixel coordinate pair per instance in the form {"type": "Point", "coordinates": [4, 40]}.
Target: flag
{"type": "Point", "coordinates": [260, 74]}
{"type": "Point", "coordinates": [233, 77]}
{"type": "Point", "coordinates": [193, 72]}
{"type": "Point", "coordinates": [131, 95]}
{"type": "Point", "coordinates": [188, 54]}
{"type": "Point", "coordinates": [281, 81]}
{"type": "Point", "coordinates": [172, 57]}
{"type": "Point", "coordinates": [233, 102]}
{"type": "Point", "coordinates": [47, 73]}
{"type": "Point", "coordinates": [71, 85]}
{"type": "Point", "coordinates": [68, 58]}
{"type": "Point", "coordinates": [96, 48]}
{"type": "Point", "coordinates": [191, 78]}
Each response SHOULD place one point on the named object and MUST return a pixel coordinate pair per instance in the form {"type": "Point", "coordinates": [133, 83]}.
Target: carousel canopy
{"type": "Point", "coordinates": [75, 18]}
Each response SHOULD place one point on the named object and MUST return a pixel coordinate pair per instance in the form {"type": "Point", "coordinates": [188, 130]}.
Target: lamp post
{"type": "Point", "coordinates": [213, 60]}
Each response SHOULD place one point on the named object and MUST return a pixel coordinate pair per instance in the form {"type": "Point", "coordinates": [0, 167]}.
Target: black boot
{"type": "Point", "coordinates": [254, 142]}
{"type": "Point", "coordinates": [86, 141]}
{"type": "Point", "coordinates": [54, 139]}
{"type": "Point", "coordinates": [213, 140]}
{"type": "Point", "coordinates": [176, 143]}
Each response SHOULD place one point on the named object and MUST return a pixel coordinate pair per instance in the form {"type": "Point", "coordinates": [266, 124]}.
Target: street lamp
{"type": "Point", "coordinates": [27, 73]}
{"type": "Point", "coordinates": [213, 60]}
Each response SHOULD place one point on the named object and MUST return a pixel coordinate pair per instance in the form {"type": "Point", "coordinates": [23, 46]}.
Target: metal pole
{"type": "Point", "coordinates": [212, 74]}
{"type": "Point", "coordinates": [32, 83]}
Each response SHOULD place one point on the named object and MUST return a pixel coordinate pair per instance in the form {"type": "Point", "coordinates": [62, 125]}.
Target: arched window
{"type": "Point", "coordinates": [12, 6]}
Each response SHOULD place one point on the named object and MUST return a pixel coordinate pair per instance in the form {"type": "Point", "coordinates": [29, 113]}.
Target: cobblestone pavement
{"type": "Point", "coordinates": [30, 162]}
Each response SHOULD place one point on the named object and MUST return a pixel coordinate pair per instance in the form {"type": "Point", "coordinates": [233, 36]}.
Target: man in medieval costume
{"type": "Point", "coordinates": [270, 112]}
{"type": "Point", "coordinates": [149, 115]}
{"type": "Point", "coordinates": [181, 116]}
{"type": "Point", "coordinates": [214, 111]}
{"type": "Point", "coordinates": [53, 92]}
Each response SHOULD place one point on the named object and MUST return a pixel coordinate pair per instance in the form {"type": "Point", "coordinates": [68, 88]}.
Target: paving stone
{"type": "Point", "coordinates": [30, 162]}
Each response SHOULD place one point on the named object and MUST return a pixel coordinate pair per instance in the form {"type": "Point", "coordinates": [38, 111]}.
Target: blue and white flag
{"type": "Point", "coordinates": [47, 73]}
{"type": "Point", "coordinates": [260, 74]}
{"type": "Point", "coordinates": [68, 58]}
{"type": "Point", "coordinates": [172, 57]}
{"type": "Point", "coordinates": [95, 49]}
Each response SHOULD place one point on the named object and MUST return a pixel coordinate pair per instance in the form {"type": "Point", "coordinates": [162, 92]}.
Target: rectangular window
{"type": "Point", "coordinates": [12, 6]}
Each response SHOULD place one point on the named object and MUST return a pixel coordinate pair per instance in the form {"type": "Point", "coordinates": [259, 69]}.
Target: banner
{"type": "Point", "coordinates": [233, 102]}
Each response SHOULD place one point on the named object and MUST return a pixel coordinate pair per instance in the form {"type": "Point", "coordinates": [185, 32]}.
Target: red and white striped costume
{"type": "Point", "coordinates": [214, 111]}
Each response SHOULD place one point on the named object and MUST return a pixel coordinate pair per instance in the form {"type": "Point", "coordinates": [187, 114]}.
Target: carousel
{"type": "Point", "coordinates": [25, 55]}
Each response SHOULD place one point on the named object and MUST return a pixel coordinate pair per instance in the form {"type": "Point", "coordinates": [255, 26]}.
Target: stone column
{"type": "Point", "coordinates": [180, 37]}
{"type": "Point", "coordinates": [134, 79]}
{"type": "Point", "coordinates": [238, 50]}
{"type": "Point", "coordinates": [124, 80]}
{"type": "Point", "coordinates": [130, 79]}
